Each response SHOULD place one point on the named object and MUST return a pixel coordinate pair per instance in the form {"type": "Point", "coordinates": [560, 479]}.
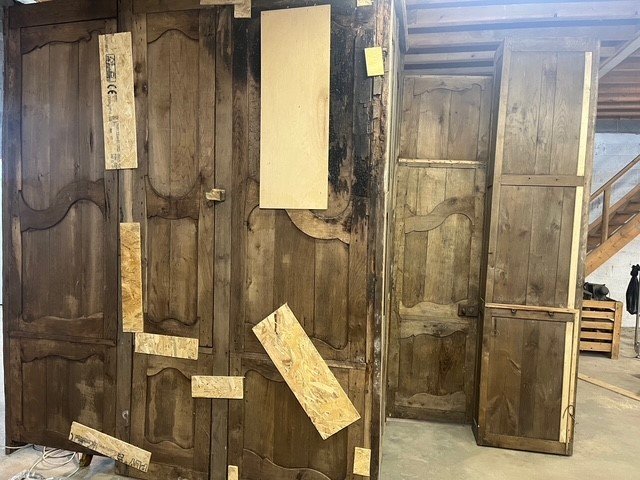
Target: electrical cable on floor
{"type": "Point", "coordinates": [50, 459]}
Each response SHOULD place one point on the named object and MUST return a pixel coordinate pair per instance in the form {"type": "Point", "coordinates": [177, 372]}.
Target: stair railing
{"type": "Point", "coordinates": [605, 190]}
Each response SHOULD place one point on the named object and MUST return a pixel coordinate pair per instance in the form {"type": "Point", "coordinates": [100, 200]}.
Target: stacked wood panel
{"type": "Point", "coordinates": [535, 243]}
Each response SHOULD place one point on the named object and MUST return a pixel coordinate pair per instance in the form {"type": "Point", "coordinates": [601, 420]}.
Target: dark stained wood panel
{"type": "Point", "coordinates": [60, 230]}
{"type": "Point", "coordinates": [54, 383]}
{"type": "Point", "coordinates": [317, 261]}
{"type": "Point", "coordinates": [166, 420]}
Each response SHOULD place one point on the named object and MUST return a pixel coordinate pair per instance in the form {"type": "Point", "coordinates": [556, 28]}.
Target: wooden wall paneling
{"type": "Point", "coordinates": [53, 383]}
{"type": "Point", "coordinates": [437, 242]}
{"type": "Point", "coordinates": [167, 421]}
{"type": "Point", "coordinates": [223, 176]}
{"type": "Point", "coordinates": [273, 248]}
{"type": "Point", "coordinates": [275, 438]}
{"type": "Point", "coordinates": [131, 209]}
{"type": "Point", "coordinates": [177, 167]}
{"type": "Point", "coordinates": [55, 324]}
{"type": "Point", "coordinates": [549, 142]}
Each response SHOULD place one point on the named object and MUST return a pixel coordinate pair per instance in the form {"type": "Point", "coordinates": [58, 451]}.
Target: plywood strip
{"type": "Point", "coordinates": [306, 373]}
{"type": "Point", "coordinates": [362, 462]}
{"type": "Point", "coordinates": [294, 140]}
{"type": "Point", "coordinates": [232, 473]}
{"type": "Point", "coordinates": [131, 277]}
{"type": "Point", "coordinates": [608, 386]}
{"type": "Point", "coordinates": [167, 346]}
{"type": "Point", "coordinates": [111, 447]}
{"type": "Point", "coordinates": [118, 102]}
{"type": "Point", "coordinates": [217, 387]}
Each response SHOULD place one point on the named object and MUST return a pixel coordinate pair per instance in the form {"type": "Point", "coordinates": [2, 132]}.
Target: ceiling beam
{"type": "Point", "coordinates": [620, 55]}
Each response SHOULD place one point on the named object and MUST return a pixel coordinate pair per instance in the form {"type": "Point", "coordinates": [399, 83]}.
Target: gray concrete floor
{"type": "Point", "coordinates": [607, 437]}
{"type": "Point", "coordinates": [607, 442]}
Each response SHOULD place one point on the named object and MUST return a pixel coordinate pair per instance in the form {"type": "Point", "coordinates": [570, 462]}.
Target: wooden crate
{"type": "Point", "coordinates": [600, 327]}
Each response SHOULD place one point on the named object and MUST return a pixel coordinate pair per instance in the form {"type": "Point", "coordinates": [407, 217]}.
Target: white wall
{"type": "Point", "coordinates": [612, 152]}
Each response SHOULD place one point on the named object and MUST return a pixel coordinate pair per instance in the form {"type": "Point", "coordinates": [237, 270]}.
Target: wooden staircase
{"type": "Point", "coordinates": [617, 224]}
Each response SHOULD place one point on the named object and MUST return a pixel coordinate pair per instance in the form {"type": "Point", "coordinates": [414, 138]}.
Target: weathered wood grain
{"type": "Point", "coordinates": [118, 102]}
{"type": "Point", "coordinates": [294, 133]}
{"type": "Point", "coordinates": [166, 346]}
{"type": "Point", "coordinates": [131, 277]}
{"type": "Point", "coordinates": [306, 373]}
{"type": "Point", "coordinates": [111, 447]}
{"type": "Point", "coordinates": [533, 245]}
{"type": "Point", "coordinates": [217, 387]}
{"type": "Point", "coordinates": [362, 462]}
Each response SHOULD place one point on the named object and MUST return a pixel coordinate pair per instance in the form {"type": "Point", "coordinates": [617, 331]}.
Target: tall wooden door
{"type": "Point", "coordinates": [175, 64]}
{"type": "Point", "coordinates": [439, 200]}
{"type": "Point", "coordinates": [535, 249]}
{"type": "Point", "coordinates": [59, 227]}
{"type": "Point", "coordinates": [316, 261]}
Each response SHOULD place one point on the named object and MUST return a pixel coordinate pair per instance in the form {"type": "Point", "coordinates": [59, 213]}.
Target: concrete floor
{"type": "Point", "coordinates": [607, 437]}
{"type": "Point", "coordinates": [606, 444]}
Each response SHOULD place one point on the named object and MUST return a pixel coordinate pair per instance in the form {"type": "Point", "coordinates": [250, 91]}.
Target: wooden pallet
{"type": "Point", "coordinates": [600, 327]}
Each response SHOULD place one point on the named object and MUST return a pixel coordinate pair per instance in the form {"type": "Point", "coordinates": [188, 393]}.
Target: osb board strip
{"type": "Point", "coordinates": [118, 102]}
{"type": "Point", "coordinates": [217, 387]}
{"type": "Point", "coordinates": [232, 473]}
{"type": "Point", "coordinates": [118, 450]}
{"type": "Point", "coordinates": [167, 346]}
{"type": "Point", "coordinates": [242, 9]}
{"type": "Point", "coordinates": [306, 373]}
{"type": "Point", "coordinates": [131, 277]}
{"type": "Point", "coordinates": [362, 462]}
{"type": "Point", "coordinates": [294, 134]}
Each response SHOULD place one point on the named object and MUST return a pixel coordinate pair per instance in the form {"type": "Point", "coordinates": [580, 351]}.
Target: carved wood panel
{"type": "Point", "coordinates": [54, 383]}
{"type": "Point", "coordinates": [273, 439]}
{"type": "Point", "coordinates": [439, 198]}
{"type": "Point", "coordinates": [65, 251]}
{"type": "Point", "coordinates": [166, 420]}
{"type": "Point", "coordinates": [175, 70]}
{"type": "Point", "coordinates": [60, 230]}
{"type": "Point", "coordinates": [317, 261]}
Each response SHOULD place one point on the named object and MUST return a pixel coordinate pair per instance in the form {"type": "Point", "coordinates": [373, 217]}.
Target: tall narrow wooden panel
{"type": "Point", "coordinates": [294, 132]}
{"type": "Point", "coordinates": [535, 245]}
{"type": "Point", "coordinates": [60, 227]}
{"type": "Point", "coordinates": [175, 58]}
{"type": "Point", "coordinates": [439, 187]}
{"type": "Point", "coordinates": [317, 262]}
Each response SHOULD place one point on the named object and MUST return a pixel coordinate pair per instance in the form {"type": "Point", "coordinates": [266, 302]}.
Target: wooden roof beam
{"type": "Point", "coordinates": [620, 55]}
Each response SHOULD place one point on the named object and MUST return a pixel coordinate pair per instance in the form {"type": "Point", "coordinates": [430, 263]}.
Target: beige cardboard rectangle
{"type": "Point", "coordinates": [232, 472]}
{"type": "Point", "coordinates": [217, 387]}
{"type": "Point", "coordinates": [362, 462]}
{"type": "Point", "coordinates": [294, 140]}
{"type": "Point", "coordinates": [364, 3]}
{"type": "Point", "coordinates": [118, 450]}
{"type": "Point", "coordinates": [306, 373]}
{"type": "Point", "coordinates": [118, 101]}
{"type": "Point", "coordinates": [131, 277]}
{"type": "Point", "coordinates": [167, 346]}
{"type": "Point", "coordinates": [220, 2]}
{"type": "Point", "coordinates": [375, 61]}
